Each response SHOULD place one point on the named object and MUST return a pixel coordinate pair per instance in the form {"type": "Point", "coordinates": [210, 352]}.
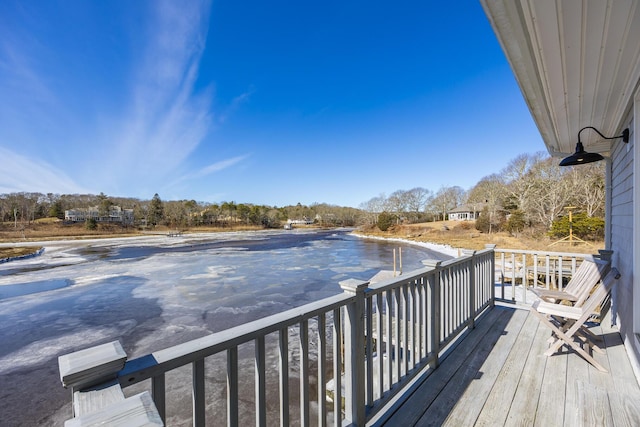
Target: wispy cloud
{"type": "Point", "coordinates": [236, 103]}
{"type": "Point", "coordinates": [216, 167]}
{"type": "Point", "coordinates": [169, 117]}
{"type": "Point", "coordinates": [19, 173]}
{"type": "Point", "coordinates": [125, 143]}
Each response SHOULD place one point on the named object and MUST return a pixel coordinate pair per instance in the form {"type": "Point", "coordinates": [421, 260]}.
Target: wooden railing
{"type": "Point", "coordinates": [350, 353]}
{"type": "Point", "coordinates": [519, 270]}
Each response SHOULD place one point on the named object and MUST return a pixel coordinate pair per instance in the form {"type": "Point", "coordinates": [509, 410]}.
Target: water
{"type": "Point", "coordinates": [151, 293]}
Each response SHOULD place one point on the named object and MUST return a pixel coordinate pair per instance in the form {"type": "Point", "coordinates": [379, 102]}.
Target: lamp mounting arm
{"type": "Point", "coordinates": [624, 136]}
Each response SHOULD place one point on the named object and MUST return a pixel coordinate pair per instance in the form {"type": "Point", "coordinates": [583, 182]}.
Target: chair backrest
{"type": "Point", "coordinates": [600, 293]}
{"type": "Point", "coordinates": [594, 271]}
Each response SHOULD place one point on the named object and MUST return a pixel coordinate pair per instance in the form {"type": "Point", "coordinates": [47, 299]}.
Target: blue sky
{"type": "Point", "coordinates": [270, 103]}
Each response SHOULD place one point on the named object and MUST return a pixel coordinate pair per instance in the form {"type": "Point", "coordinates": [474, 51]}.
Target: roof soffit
{"type": "Point", "coordinates": [577, 64]}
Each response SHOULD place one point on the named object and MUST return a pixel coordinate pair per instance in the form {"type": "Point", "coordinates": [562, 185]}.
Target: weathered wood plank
{"type": "Point", "coordinates": [577, 370]}
{"type": "Point", "coordinates": [449, 405]}
{"type": "Point", "coordinates": [593, 406]}
{"type": "Point", "coordinates": [623, 389]}
{"type": "Point", "coordinates": [510, 367]}
{"type": "Point", "coordinates": [551, 403]}
{"type": "Point", "coordinates": [524, 404]}
{"type": "Point", "coordinates": [415, 405]}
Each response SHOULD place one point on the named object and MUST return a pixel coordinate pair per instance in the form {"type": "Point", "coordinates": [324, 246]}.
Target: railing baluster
{"type": "Point", "coordinates": [158, 395]}
{"type": "Point", "coordinates": [405, 329]}
{"type": "Point", "coordinates": [369, 349]}
{"type": "Point", "coordinates": [422, 318]}
{"type": "Point", "coordinates": [513, 276]}
{"type": "Point", "coordinates": [232, 386]}
{"type": "Point", "coordinates": [260, 382]}
{"type": "Point", "coordinates": [502, 273]}
{"type": "Point", "coordinates": [389, 337]}
{"type": "Point", "coordinates": [471, 290]}
{"type": "Point", "coordinates": [304, 373]}
{"type": "Point", "coordinates": [412, 324]}
{"type": "Point", "coordinates": [396, 332]}
{"type": "Point", "coordinates": [322, 367]}
{"type": "Point", "coordinates": [535, 270]}
{"type": "Point", "coordinates": [337, 366]}
{"type": "Point", "coordinates": [379, 344]}
{"type": "Point", "coordinates": [433, 315]}
{"type": "Point", "coordinates": [525, 282]}
{"type": "Point", "coordinates": [198, 393]}
{"type": "Point", "coordinates": [283, 348]}
{"type": "Point", "coordinates": [547, 265]}
{"type": "Point", "coordinates": [560, 276]}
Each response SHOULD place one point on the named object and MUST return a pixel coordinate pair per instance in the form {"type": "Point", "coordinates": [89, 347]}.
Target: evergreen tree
{"type": "Point", "coordinates": [156, 210]}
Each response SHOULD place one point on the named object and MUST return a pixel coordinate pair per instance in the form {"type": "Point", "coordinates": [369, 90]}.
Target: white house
{"type": "Point", "coordinates": [467, 212]}
{"type": "Point", "coordinates": [115, 215]}
{"type": "Point", "coordinates": [578, 66]}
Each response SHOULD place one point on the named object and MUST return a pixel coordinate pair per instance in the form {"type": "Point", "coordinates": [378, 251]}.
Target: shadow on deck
{"type": "Point", "coordinates": [498, 375]}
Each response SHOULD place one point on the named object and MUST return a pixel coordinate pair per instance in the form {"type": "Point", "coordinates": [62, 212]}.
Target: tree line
{"type": "Point", "coordinates": [24, 208]}
{"type": "Point", "coordinates": [531, 193]}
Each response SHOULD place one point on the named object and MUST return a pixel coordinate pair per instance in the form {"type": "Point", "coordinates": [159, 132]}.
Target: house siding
{"type": "Point", "coordinates": [622, 240]}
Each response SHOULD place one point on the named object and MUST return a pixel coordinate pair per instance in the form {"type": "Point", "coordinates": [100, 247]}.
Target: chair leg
{"type": "Point", "coordinates": [565, 339]}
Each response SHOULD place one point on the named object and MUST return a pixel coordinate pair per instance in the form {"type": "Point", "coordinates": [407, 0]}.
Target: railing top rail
{"type": "Point", "coordinates": [552, 254]}
{"type": "Point", "coordinates": [148, 366]}
{"type": "Point", "coordinates": [393, 282]}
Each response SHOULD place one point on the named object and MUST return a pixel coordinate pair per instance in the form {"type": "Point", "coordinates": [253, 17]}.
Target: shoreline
{"type": "Point", "coordinates": [437, 247]}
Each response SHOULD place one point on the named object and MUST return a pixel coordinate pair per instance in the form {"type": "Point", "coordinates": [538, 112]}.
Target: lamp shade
{"type": "Point", "coordinates": [580, 157]}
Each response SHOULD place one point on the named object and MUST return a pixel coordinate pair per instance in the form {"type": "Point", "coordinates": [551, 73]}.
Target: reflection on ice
{"type": "Point", "coordinates": [28, 288]}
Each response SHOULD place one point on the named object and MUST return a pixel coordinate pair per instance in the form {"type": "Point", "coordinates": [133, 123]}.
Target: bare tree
{"type": "Point", "coordinates": [416, 200]}
{"type": "Point", "coordinates": [550, 192]}
{"type": "Point", "coordinates": [489, 192]}
{"type": "Point", "coordinates": [587, 188]}
{"type": "Point", "coordinates": [446, 199]}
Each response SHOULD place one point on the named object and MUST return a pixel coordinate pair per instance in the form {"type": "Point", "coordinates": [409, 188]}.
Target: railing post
{"type": "Point", "coordinates": [492, 273]}
{"type": "Point", "coordinates": [434, 312]}
{"type": "Point", "coordinates": [354, 339]}
{"type": "Point", "coordinates": [472, 288]}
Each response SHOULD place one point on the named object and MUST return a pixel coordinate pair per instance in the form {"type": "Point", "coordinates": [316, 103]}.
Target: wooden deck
{"type": "Point", "coordinates": [498, 375]}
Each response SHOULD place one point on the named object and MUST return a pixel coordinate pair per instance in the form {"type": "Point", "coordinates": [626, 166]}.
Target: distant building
{"type": "Point", "coordinates": [468, 212]}
{"type": "Point", "coordinates": [303, 221]}
{"type": "Point", "coordinates": [115, 215]}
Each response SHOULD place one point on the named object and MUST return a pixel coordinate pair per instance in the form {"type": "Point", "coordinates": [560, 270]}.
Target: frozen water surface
{"type": "Point", "coordinates": [154, 292]}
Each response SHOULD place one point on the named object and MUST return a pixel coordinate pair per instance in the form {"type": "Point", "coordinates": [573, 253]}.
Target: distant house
{"type": "Point", "coordinates": [115, 215]}
{"type": "Point", "coordinates": [467, 212]}
{"type": "Point", "coordinates": [303, 221]}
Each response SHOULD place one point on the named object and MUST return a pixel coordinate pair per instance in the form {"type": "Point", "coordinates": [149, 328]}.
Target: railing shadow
{"type": "Point", "coordinates": [436, 393]}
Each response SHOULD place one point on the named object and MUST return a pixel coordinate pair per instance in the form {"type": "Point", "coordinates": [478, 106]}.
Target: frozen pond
{"type": "Point", "coordinates": [154, 292]}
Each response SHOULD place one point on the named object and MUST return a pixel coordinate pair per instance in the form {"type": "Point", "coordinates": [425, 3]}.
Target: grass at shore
{"type": "Point", "coordinates": [463, 235]}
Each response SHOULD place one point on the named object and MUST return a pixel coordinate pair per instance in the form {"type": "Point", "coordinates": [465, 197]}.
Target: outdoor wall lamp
{"type": "Point", "coordinates": [581, 157]}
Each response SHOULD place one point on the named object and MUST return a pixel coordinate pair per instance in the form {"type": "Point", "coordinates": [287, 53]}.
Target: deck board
{"type": "Point", "coordinates": [525, 402]}
{"type": "Point", "coordinates": [467, 411]}
{"type": "Point", "coordinates": [552, 393]}
{"type": "Point", "coordinates": [422, 398]}
{"type": "Point", "coordinates": [499, 376]}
